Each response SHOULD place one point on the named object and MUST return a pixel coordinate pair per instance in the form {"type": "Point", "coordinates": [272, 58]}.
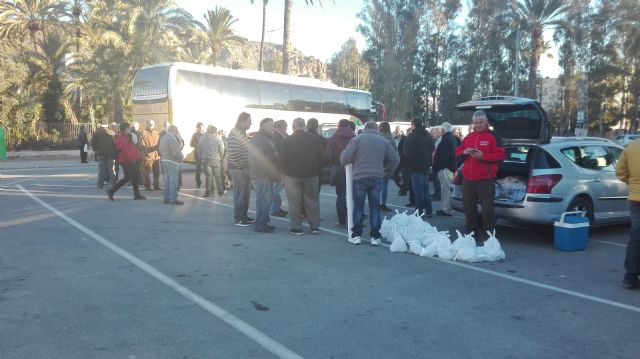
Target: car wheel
{"type": "Point", "coordinates": [582, 204]}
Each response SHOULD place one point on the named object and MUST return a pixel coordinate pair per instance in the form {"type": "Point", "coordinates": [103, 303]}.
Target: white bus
{"type": "Point", "coordinates": [185, 94]}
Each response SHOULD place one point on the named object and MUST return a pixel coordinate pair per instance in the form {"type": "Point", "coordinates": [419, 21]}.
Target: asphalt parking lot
{"type": "Point", "coordinates": [83, 277]}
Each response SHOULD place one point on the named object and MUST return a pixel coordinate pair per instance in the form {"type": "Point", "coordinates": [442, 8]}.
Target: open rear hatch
{"type": "Point", "coordinates": [515, 120]}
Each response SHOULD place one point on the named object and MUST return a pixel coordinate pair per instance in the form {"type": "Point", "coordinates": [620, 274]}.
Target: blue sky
{"type": "Point", "coordinates": [317, 31]}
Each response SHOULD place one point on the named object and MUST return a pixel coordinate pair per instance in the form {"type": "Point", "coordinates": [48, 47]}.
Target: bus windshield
{"type": "Point", "coordinates": [151, 84]}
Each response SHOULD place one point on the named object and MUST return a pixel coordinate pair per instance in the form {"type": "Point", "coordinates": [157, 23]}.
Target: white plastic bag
{"type": "Point", "coordinates": [398, 245]}
{"type": "Point", "coordinates": [429, 251]}
{"type": "Point", "coordinates": [464, 248]}
{"type": "Point", "coordinates": [386, 228]}
{"type": "Point", "coordinates": [415, 247]}
{"type": "Point", "coordinates": [492, 248]}
{"type": "Point", "coordinates": [400, 219]}
{"type": "Point", "coordinates": [443, 244]}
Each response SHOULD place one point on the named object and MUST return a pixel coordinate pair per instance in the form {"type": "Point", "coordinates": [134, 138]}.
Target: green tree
{"type": "Point", "coordinates": [219, 33]}
{"type": "Point", "coordinates": [22, 18]}
{"type": "Point", "coordinates": [47, 66]}
{"type": "Point", "coordinates": [347, 67]}
{"type": "Point", "coordinates": [539, 15]}
{"type": "Point", "coordinates": [391, 30]}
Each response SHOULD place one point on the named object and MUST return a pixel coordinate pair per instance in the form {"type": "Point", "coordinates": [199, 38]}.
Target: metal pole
{"type": "Point", "coordinates": [517, 84]}
{"type": "Point", "coordinates": [358, 76]}
{"type": "Point", "coordinates": [348, 169]}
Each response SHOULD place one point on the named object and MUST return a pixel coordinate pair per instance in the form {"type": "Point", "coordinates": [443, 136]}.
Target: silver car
{"type": "Point", "coordinates": [542, 177]}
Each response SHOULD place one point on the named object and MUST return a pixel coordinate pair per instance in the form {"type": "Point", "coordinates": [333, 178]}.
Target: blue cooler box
{"type": "Point", "coordinates": [571, 232]}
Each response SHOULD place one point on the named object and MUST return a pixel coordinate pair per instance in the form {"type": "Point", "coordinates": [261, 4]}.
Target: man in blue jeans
{"type": "Point", "coordinates": [372, 157]}
{"type": "Point", "coordinates": [238, 163]}
{"type": "Point", "coordinates": [418, 151]}
{"type": "Point", "coordinates": [263, 170]}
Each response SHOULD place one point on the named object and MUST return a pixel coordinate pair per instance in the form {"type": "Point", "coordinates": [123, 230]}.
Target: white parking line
{"type": "Point", "coordinates": [254, 334]}
{"type": "Point", "coordinates": [610, 243]}
{"type": "Point", "coordinates": [478, 269]}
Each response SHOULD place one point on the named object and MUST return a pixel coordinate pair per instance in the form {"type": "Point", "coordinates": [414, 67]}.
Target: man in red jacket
{"type": "Point", "coordinates": [128, 158]}
{"type": "Point", "coordinates": [481, 154]}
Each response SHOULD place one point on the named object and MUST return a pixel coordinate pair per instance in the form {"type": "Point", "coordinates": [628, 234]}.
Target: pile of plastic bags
{"type": "Point", "coordinates": [510, 188]}
{"type": "Point", "coordinates": [408, 232]}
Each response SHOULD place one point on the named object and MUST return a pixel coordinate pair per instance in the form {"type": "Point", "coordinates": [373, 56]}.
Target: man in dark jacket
{"type": "Point", "coordinates": [210, 151]}
{"type": "Point", "coordinates": [418, 149]}
{"type": "Point", "coordinates": [195, 138]}
{"type": "Point", "coordinates": [444, 165]}
{"type": "Point", "coordinates": [103, 146]}
{"type": "Point", "coordinates": [83, 141]}
{"type": "Point", "coordinates": [263, 170]}
{"type": "Point", "coordinates": [335, 145]}
{"type": "Point", "coordinates": [301, 161]}
{"type": "Point", "coordinates": [278, 138]}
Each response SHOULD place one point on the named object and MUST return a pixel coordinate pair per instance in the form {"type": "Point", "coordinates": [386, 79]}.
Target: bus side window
{"type": "Point", "coordinates": [306, 99]}
{"type": "Point", "coordinates": [243, 89]}
{"type": "Point", "coordinates": [334, 102]}
{"type": "Point", "coordinates": [275, 96]}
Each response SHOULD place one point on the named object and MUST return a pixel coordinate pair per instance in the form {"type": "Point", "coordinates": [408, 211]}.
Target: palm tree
{"type": "Point", "coordinates": [22, 18]}
{"type": "Point", "coordinates": [158, 26]}
{"type": "Point", "coordinates": [219, 32]}
{"type": "Point", "coordinates": [264, 24]}
{"type": "Point", "coordinates": [286, 42]}
{"type": "Point", "coordinates": [47, 65]}
{"type": "Point", "coordinates": [539, 15]}
{"type": "Point", "coordinates": [108, 71]}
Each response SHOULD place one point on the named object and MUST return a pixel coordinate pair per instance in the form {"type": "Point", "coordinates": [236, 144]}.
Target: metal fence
{"type": "Point", "coordinates": [70, 131]}
{"type": "Point", "coordinates": [67, 136]}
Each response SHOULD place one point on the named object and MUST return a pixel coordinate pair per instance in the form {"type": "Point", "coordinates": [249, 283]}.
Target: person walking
{"type": "Point", "coordinates": [238, 162]}
{"type": "Point", "coordinates": [105, 149]}
{"type": "Point", "coordinates": [263, 169]}
{"type": "Point", "coordinates": [210, 151]}
{"type": "Point", "coordinates": [195, 138]}
{"type": "Point", "coordinates": [480, 154]}
{"type": "Point", "coordinates": [335, 145]}
{"type": "Point", "coordinates": [418, 149]}
{"type": "Point", "coordinates": [628, 171]}
{"type": "Point", "coordinates": [171, 157]}
{"type": "Point", "coordinates": [83, 144]}
{"type": "Point", "coordinates": [129, 158]}
{"type": "Point", "coordinates": [385, 131]}
{"type": "Point", "coordinates": [278, 139]}
{"type": "Point", "coordinates": [149, 140]}
{"type": "Point", "coordinates": [444, 165]}
{"type": "Point", "coordinates": [373, 157]}
{"type": "Point", "coordinates": [301, 159]}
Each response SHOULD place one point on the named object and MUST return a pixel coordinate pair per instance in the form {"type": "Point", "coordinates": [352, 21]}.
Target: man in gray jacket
{"type": "Point", "coordinates": [171, 158]}
{"type": "Point", "coordinates": [372, 157]}
{"type": "Point", "coordinates": [210, 151]}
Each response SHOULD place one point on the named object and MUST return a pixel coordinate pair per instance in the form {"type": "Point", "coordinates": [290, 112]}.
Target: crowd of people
{"type": "Point", "coordinates": [271, 160]}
